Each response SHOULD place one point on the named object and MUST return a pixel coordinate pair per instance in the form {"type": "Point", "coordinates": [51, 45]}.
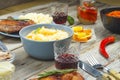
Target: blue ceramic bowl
{"type": "Point", "coordinates": [43, 50]}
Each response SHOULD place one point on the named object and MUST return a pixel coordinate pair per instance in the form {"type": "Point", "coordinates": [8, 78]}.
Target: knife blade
{"type": "Point", "coordinates": [94, 72]}
{"type": "Point", "coordinates": [89, 69]}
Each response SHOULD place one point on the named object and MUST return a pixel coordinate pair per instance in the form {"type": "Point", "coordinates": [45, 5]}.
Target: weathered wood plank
{"type": "Point", "coordinates": [26, 65]}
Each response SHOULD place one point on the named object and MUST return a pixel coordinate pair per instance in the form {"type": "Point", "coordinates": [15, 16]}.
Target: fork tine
{"type": "Point", "coordinates": [91, 59]}
{"type": "Point", "coordinates": [95, 60]}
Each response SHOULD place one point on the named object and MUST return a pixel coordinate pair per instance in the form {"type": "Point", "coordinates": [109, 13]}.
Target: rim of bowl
{"type": "Point", "coordinates": [70, 34]}
{"type": "Point", "coordinates": [102, 11]}
{"type": "Point", "coordinates": [110, 8]}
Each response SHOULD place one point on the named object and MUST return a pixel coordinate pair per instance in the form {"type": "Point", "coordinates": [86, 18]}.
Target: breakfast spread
{"type": "Point", "coordinates": [66, 65]}
{"type": "Point", "coordinates": [47, 34]}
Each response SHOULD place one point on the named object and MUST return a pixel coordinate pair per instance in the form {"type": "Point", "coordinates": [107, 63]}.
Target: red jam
{"type": "Point", "coordinates": [59, 17]}
{"type": "Point", "coordinates": [66, 61]}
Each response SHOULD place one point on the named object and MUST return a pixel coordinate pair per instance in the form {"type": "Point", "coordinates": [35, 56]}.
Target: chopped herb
{"type": "Point", "coordinates": [37, 30]}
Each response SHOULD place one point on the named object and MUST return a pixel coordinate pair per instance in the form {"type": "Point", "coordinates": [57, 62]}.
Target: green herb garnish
{"type": "Point", "coordinates": [70, 20]}
{"type": "Point", "coordinates": [55, 72]}
{"type": "Point", "coordinates": [37, 30]}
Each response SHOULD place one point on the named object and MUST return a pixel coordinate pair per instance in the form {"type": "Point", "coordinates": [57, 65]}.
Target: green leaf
{"type": "Point", "coordinates": [37, 30]}
{"type": "Point", "coordinates": [70, 20]}
{"type": "Point", "coordinates": [45, 74]}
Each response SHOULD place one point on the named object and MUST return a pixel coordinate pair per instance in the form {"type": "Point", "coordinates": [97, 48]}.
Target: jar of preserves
{"type": "Point", "coordinates": [66, 57]}
{"type": "Point", "coordinates": [87, 12]}
{"type": "Point", "coordinates": [66, 61]}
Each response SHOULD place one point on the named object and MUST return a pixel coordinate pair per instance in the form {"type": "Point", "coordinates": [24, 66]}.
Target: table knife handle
{"type": "Point", "coordinates": [114, 74]}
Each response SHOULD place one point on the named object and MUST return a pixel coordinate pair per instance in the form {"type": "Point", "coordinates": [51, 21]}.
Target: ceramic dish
{"type": "Point", "coordinates": [109, 22]}
{"type": "Point", "coordinates": [15, 35]}
{"type": "Point", "coordinates": [43, 49]}
{"type": "Point", "coordinates": [92, 39]}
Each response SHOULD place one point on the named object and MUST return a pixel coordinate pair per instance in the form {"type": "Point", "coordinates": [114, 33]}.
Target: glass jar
{"type": "Point", "coordinates": [87, 12]}
{"type": "Point", "coordinates": [59, 13]}
{"type": "Point", "coordinates": [66, 56]}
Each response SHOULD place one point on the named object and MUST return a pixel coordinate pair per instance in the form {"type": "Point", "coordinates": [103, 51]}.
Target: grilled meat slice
{"type": "Point", "coordinates": [11, 26]}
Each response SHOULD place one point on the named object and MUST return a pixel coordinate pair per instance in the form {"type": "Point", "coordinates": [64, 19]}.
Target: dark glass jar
{"type": "Point", "coordinates": [59, 13]}
{"type": "Point", "coordinates": [66, 56]}
{"type": "Point", "coordinates": [66, 61]}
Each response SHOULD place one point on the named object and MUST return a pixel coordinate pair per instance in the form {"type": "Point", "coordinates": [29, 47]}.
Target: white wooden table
{"type": "Point", "coordinates": [28, 66]}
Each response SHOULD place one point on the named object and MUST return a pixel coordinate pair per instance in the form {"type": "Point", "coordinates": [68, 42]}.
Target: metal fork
{"type": "Point", "coordinates": [93, 61]}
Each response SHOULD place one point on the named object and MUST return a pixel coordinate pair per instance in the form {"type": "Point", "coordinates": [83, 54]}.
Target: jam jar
{"type": "Point", "coordinates": [87, 12]}
{"type": "Point", "coordinates": [66, 61]}
{"type": "Point", "coordinates": [59, 13]}
{"type": "Point", "coordinates": [66, 56]}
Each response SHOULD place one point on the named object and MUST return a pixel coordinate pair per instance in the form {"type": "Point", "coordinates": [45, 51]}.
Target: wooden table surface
{"type": "Point", "coordinates": [28, 66]}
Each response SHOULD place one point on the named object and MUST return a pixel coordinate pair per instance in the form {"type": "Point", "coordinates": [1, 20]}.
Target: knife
{"type": "Point", "coordinates": [94, 72]}
{"type": "Point", "coordinates": [89, 69]}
